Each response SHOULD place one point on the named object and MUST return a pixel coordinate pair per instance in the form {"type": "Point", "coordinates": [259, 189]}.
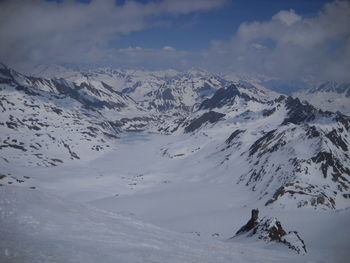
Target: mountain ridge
{"type": "Point", "coordinates": [287, 145]}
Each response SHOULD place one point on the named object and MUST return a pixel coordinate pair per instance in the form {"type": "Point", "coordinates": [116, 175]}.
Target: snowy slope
{"type": "Point", "coordinates": [138, 182]}
{"type": "Point", "coordinates": [290, 154]}
{"type": "Point", "coordinates": [54, 230]}
{"type": "Point", "coordinates": [77, 183]}
{"type": "Point", "coordinates": [48, 122]}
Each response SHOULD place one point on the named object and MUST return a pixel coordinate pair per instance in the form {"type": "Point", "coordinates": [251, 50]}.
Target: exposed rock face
{"type": "Point", "coordinates": [298, 112]}
{"type": "Point", "coordinates": [211, 117]}
{"type": "Point", "coordinates": [234, 135]}
{"type": "Point", "coordinates": [222, 97]}
{"type": "Point", "coordinates": [271, 230]}
{"type": "Point", "coordinates": [253, 221]}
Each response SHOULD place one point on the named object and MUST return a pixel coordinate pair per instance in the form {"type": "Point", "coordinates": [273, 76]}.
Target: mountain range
{"type": "Point", "coordinates": [281, 152]}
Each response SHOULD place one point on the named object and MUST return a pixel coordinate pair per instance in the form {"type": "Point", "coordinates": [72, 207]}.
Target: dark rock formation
{"type": "Point", "coordinates": [165, 94]}
{"type": "Point", "coordinates": [234, 135]}
{"type": "Point", "coordinates": [312, 132]}
{"type": "Point", "coordinates": [258, 144]}
{"type": "Point", "coordinates": [211, 117]}
{"type": "Point", "coordinates": [268, 112]}
{"type": "Point", "coordinates": [271, 230]}
{"type": "Point", "coordinates": [299, 112]}
{"type": "Point", "coordinates": [222, 97]}
{"type": "Point", "coordinates": [337, 140]}
{"type": "Point", "coordinates": [253, 221]}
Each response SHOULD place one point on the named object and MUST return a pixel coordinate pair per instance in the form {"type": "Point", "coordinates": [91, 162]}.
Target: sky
{"type": "Point", "coordinates": [287, 39]}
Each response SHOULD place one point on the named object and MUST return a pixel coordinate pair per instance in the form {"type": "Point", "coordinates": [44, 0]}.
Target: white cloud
{"type": "Point", "coordinates": [168, 48]}
{"type": "Point", "coordinates": [40, 31]}
{"type": "Point", "coordinates": [287, 17]}
{"type": "Point", "coordinates": [289, 45]}
{"type": "Point", "coordinates": [257, 46]}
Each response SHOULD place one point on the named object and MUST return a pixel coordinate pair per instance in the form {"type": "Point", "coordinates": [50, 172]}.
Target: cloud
{"type": "Point", "coordinates": [289, 46]}
{"type": "Point", "coordinates": [168, 48]}
{"type": "Point", "coordinates": [137, 57]}
{"type": "Point", "coordinates": [287, 17]}
{"type": "Point", "coordinates": [68, 32]}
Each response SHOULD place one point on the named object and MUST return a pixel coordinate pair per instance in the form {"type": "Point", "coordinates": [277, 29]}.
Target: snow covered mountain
{"type": "Point", "coordinates": [290, 154]}
{"type": "Point", "coordinates": [47, 71]}
{"type": "Point", "coordinates": [158, 90]}
{"type": "Point", "coordinates": [207, 150]}
{"type": "Point", "coordinates": [46, 122]}
{"type": "Point", "coordinates": [163, 90]}
{"type": "Point", "coordinates": [286, 87]}
{"type": "Point", "coordinates": [330, 96]}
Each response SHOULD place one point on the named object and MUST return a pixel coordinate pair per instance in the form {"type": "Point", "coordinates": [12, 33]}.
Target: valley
{"type": "Point", "coordinates": [135, 171]}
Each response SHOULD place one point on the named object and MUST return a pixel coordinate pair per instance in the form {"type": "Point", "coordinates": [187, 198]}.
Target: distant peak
{"type": "Point", "coordinates": [198, 71]}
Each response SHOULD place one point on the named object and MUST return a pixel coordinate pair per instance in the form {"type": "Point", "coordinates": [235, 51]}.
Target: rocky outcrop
{"type": "Point", "coordinates": [253, 222]}
{"type": "Point", "coordinates": [271, 230]}
{"type": "Point", "coordinates": [222, 97]}
{"type": "Point", "coordinates": [211, 117]}
{"type": "Point", "coordinates": [298, 112]}
{"type": "Point", "coordinates": [234, 135]}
